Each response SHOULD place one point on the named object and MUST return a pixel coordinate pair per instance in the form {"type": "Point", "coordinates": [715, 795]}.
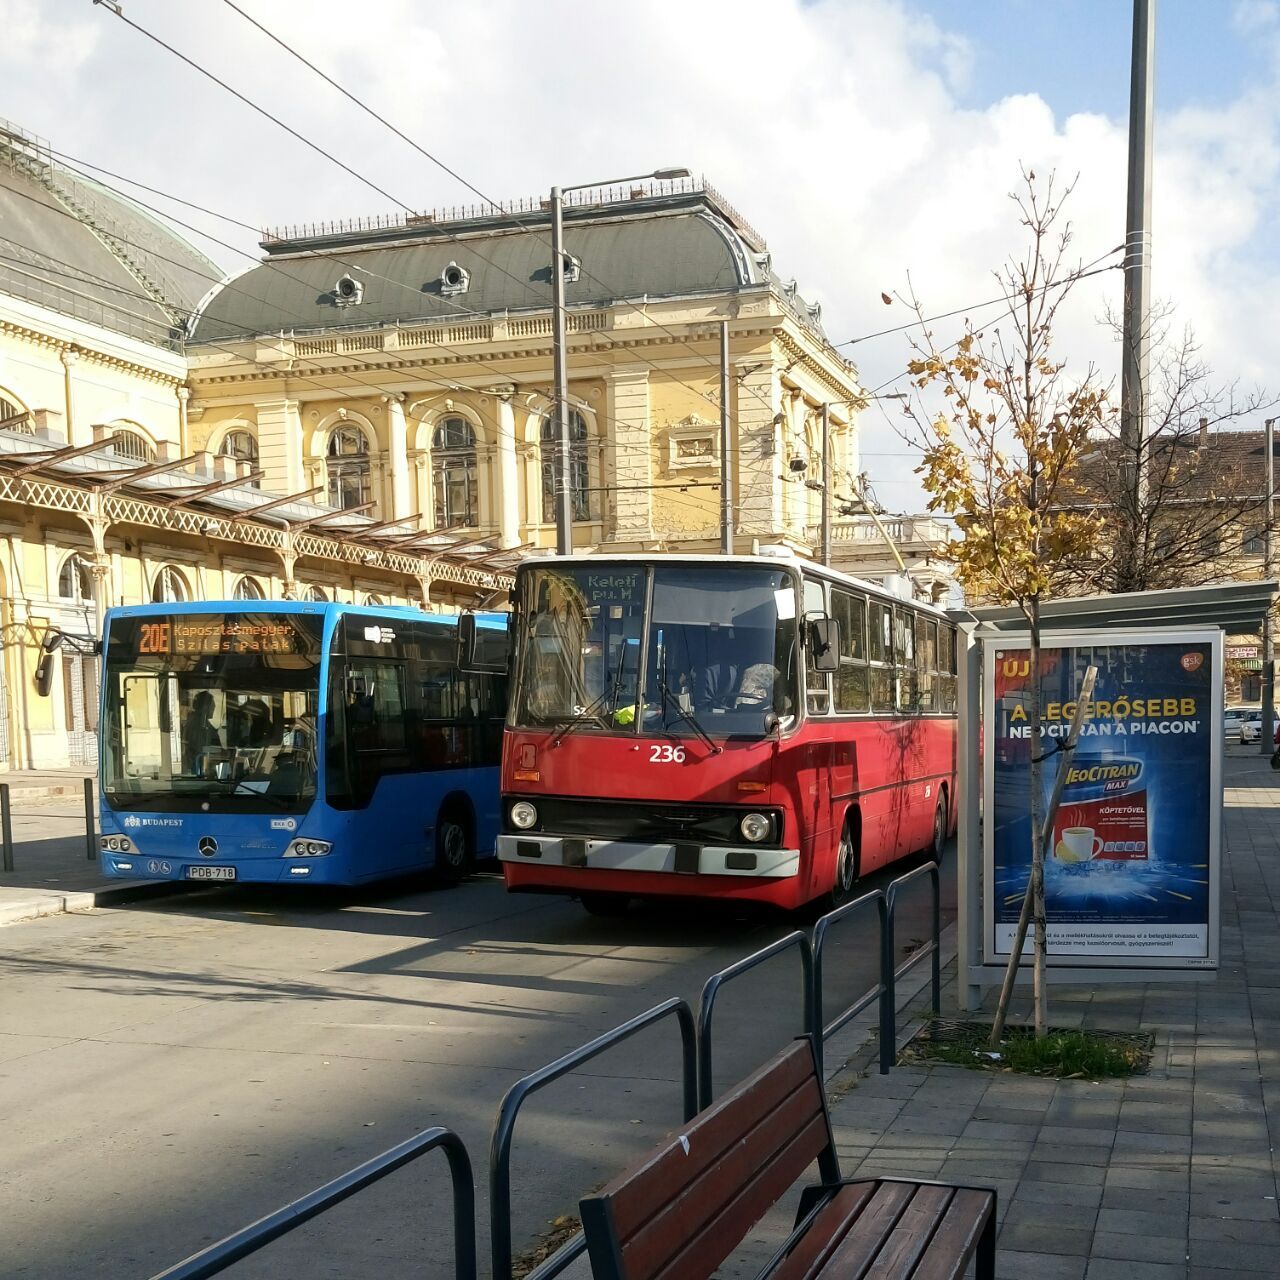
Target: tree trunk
{"type": "Point", "coordinates": [1038, 748]}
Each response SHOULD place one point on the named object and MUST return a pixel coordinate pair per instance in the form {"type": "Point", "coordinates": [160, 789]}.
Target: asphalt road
{"type": "Point", "coordinates": [171, 1071]}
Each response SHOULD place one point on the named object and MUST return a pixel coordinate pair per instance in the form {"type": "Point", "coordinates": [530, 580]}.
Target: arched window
{"type": "Point", "coordinates": [170, 587]}
{"type": "Point", "coordinates": [350, 483]}
{"type": "Point", "coordinates": [315, 595]}
{"type": "Point", "coordinates": [373, 600]}
{"type": "Point", "coordinates": [132, 446]}
{"type": "Point", "coordinates": [579, 471]}
{"type": "Point", "coordinates": [453, 470]}
{"type": "Point", "coordinates": [248, 589]}
{"type": "Point", "coordinates": [13, 417]}
{"type": "Point", "coordinates": [75, 581]}
{"type": "Point", "coordinates": [243, 447]}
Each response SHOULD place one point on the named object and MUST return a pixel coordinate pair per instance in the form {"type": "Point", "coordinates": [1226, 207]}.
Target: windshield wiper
{"type": "Point", "coordinates": [670, 700]}
{"type": "Point", "coordinates": [566, 727]}
{"type": "Point", "coordinates": [280, 801]}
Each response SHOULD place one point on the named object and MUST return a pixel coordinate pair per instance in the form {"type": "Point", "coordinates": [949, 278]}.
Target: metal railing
{"type": "Point", "coordinates": [706, 1005]}
{"type": "Point", "coordinates": [812, 951]}
{"type": "Point", "coordinates": [217, 1257]}
{"type": "Point", "coordinates": [826, 1030]}
{"type": "Point", "coordinates": [504, 1129]}
{"type": "Point", "coordinates": [931, 948]}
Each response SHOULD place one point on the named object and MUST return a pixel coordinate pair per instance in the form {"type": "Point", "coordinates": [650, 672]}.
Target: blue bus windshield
{"type": "Point", "coordinates": [216, 712]}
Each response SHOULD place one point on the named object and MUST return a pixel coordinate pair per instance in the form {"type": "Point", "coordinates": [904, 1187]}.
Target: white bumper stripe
{"type": "Point", "coordinates": [623, 855]}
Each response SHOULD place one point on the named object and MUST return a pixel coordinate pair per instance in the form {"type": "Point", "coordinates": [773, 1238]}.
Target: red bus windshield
{"type": "Point", "coordinates": [672, 650]}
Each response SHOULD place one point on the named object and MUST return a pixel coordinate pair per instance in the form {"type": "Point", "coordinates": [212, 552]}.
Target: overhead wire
{"type": "Point", "coordinates": [708, 397]}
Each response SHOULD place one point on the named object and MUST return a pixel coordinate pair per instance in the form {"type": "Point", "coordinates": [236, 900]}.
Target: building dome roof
{"type": "Point", "coordinates": [424, 269]}
{"type": "Point", "coordinates": [77, 248]}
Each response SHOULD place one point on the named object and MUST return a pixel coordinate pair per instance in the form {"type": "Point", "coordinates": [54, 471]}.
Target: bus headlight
{"type": "Point", "coordinates": [115, 844]}
{"type": "Point", "coordinates": [523, 815]}
{"type": "Point", "coordinates": [307, 848]}
{"type": "Point", "coordinates": [755, 827]}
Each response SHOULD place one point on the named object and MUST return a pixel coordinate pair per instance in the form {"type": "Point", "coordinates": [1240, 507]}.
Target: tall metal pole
{"type": "Point", "coordinates": [826, 484]}
{"type": "Point", "coordinates": [726, 448]}
{"type": "Point", "coordinates": [1265, 734]}
{"type": "Point", "coordinates": [563, 483]}
{"type": "Point", "coordinates": [1135, 343]}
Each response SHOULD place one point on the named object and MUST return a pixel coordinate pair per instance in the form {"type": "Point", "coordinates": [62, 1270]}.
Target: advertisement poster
{"type": "Point", "coordinates": [1131, 869]}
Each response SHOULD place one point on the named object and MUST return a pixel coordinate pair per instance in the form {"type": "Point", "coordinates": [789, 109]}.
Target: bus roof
{"type": "Point", "coordinates": [314, 608]}
{"type": "Point", "coordinates": [774, 561]}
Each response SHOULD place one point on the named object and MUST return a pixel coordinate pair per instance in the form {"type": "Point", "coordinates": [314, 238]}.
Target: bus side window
{"type": "Point", "coordinates": [853, 688]}
{"type": "Point", "coordinates": [927, 662]}
{"type": "Point", "coordinates": [880, 638]}
{"type": "Point", "coordinates": [817, 683]}
{"type": "Point", "coordinates": [904, 647]}
{"type": "Point", "coordinates": [946, 667]}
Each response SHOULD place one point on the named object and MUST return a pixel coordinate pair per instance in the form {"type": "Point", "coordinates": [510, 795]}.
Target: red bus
{"type": "Point", "coordinates": [755, 728]}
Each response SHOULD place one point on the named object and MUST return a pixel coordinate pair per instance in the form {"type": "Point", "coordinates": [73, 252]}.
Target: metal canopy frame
{"type": "Point", "coordinates": [1229, 606]}
{"type": "Point", "coordinates": [252, 513]}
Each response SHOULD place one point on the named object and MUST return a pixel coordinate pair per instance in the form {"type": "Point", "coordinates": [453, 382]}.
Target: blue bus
{"type": "Point", "coordinates": [271, 741]}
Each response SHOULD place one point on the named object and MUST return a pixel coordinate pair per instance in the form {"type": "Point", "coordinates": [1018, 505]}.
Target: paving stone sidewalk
{"type": "Point", "coordinates": [1167, 1176]}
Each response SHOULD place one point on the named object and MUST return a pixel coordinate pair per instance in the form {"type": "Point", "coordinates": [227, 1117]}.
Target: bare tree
{"type": "Point", "coordinates": [1002, 454]}
{"type": "Point", "coordinates": [1205, 493]}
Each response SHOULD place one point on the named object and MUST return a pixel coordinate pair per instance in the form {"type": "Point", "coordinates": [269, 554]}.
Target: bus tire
{"type": "Point", "coordinates": [607, 905]}
{"type": "Point", "coordinates": [848, 860]}
{"type": "Point", "coordinates": [938, 843]}
{"type": "Point", "coordinates": [455, 856]}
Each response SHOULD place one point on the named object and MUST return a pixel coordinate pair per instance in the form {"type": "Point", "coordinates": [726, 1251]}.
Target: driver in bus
{"type": "Point", "coordinates": [199, 734]}
{"type": "Point", "coordinates": [717, 683]}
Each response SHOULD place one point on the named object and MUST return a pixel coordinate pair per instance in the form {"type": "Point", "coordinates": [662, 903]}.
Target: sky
{"type": "Point", "coordinates": [873, 142]}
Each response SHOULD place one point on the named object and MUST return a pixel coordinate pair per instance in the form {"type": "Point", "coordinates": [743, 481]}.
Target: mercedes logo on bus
{"type": "Point", "coordinates": [208, 846]}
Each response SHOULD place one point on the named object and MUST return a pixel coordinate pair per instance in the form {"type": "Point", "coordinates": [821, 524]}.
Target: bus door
{"type": "Point", "coordinates": [824, 753]}
{"type": "Point", "coordinates": [387, 834]}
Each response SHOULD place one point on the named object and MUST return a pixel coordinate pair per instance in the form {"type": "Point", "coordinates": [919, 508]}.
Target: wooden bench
{"type": "Point", "coordinates": [682, 1211]}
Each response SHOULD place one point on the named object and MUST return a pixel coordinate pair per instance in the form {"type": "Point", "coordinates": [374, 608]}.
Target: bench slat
{"type": "Point", "coordinates": [805, 1261]}
{"type": "Point", "coordinates": [957, 1237]}
{"type": "Point", "coordinates": [637, 1195]}
{"type": "Point", "coordinates": [711, 1196]}
{"type": "Point", "coordinates": [857, 1251]}
{"type": "Point", "coordinates": [913, 1234]}
{"type": "Point", "coordinates": [701, 1255]}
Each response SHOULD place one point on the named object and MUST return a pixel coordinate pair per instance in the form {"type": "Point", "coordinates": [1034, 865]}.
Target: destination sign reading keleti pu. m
{"type": "Point", "coordinates": [198, 637]}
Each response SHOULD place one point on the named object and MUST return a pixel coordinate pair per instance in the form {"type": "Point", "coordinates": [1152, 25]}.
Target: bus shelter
{"type": "Point", "coordinates": [1132, 876]}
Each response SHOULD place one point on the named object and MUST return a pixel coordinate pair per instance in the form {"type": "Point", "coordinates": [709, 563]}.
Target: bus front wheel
{"type": "Point", "coordinates": [454, 856]}
{"type": "Point", "coordinates": [846, 874]}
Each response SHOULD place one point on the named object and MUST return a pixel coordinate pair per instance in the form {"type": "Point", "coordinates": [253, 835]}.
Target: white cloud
{"type": "Point", "coordinates": [836, 127]}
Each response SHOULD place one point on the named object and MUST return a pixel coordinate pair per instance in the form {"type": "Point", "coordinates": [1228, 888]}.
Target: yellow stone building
{"type": "Point", "coordinates": [364, 415]}
{"type": "Point", "coordinates": [406, 364]}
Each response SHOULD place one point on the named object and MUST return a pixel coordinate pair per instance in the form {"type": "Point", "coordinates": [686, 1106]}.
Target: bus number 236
{"type": "Point", "coordinates": [665, 753]}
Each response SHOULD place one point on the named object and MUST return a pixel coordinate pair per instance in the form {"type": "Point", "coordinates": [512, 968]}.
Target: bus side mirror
{"type": "Point", "coordinates": [483, 650]}
{"type": "Point", "coordinates": [51, 643]}
{"type": "Point", "coordinates": [824, 644]}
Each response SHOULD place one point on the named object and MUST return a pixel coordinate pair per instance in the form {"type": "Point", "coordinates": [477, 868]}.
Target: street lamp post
{"type": "Point", "coordinates": [564, 479]}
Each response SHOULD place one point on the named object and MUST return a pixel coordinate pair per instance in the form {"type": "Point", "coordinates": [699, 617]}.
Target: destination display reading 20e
{"type": "Point", "coordinates": [200, 636]}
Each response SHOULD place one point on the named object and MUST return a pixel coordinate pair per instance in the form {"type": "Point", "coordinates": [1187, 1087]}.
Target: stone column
{"type": "Point", "coordinates": [184, 443]}
{"type": "Point", "coordinates": [628, 454]}
{"type": "Point", "coordinates": [398, 457]}
{"type": "Point", "coordinates": [507, 505]}
{"type": "Point", "coordinates": [74, 435]}
{"type": "Point", "coordinates": [757, 405]}
{"type": "Point", "coordinates": [280, 446]}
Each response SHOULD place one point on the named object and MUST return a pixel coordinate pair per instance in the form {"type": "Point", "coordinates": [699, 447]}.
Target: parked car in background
{"type": "Point", "coordinates": [1251, 727]}
{"type": "Point", "coordinates": [1232, 723]}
